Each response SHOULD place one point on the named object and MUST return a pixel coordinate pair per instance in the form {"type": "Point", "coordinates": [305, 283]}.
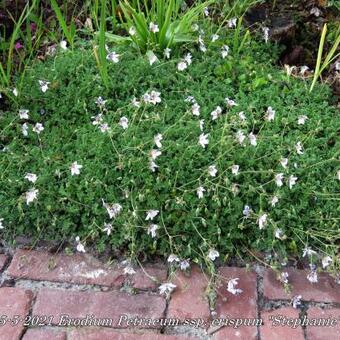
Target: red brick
{"type": "Point", "coordinates": [241, 333]}
{"type": "Point", "coordinates": [13, 301]}
{"type": "Point", "coordinates": [323, 332]}
{"type": "Point", "coordinates": [77, 268]}
{"type": "Point", "coordinates": [102, 305]}
{"type": "Point", "coordinates": [269, 331]}
{"type": "Point", "coordinates": [189, 298]}
{"type": "Point", "coordinates": [326, 290]}
{"type": "Point", "coordinates": [44, 334]}
{"type": "Point", "coordinates": [143, 277]}
{"type": "Point", "coordinates": [243, 305]}
{"type": "Point", "coordinates": [3, 260]}
{"type": "Point", "coordinates": [107, 334]}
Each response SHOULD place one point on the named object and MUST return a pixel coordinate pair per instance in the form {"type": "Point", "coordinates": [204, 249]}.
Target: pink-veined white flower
{"type": "Point", "coordinates": [213, 254]}
{"type": "Point", "coordinates": [212, 170]}
{"type": "Point", "coordinates": [279, 179]}
{"type": "Point", "coordinates": [107, 228]}
{"type": "Point", "coordinates": [274, 200]}
{"type": "Point", "coordinates": [284, 277]}
{"type": "Point", "coordinates": [155, 97]}
{"type": "Point", "coordinates": [214, 37]}
{"type": "Point", "coordinates": [188, 58]}
{"type": "Point", "coordinates": [112, 209]}
{"type": "Point", "coordinates": [128, 270]}
{"type": "Point", "coordinates": [166, 289]}
{"type": "Point", "coordinates": [296, 301]}
{"type": "Point", "coordinates": [206, 11]}
{"type": "Point", "coordinates": [63, 45]}
{"type": "Point", "coordinates": [152, 230]}
{"type": "Point", "coordinates": [216, 113]}
{"type": "Point", "coordinates": [203, 140]}
{"type": "Point", "coordinates": [151, 214]}
{"type": "Point", "coordinates": [157, 139]}
{"type": "Point", "coordinates": [167, 52]}
{"type": "Point", "coordinates": [31, 195]}
{"type": "Point", "coordinates": [304, 69]}
{"type": "Point", "coordinates": [195, 109]}
{"type": "Point", "coordinates": [242, 116]}
{"type": "Point", "coordinates": [232, 287]}
{"type": "Point", "coordinates": [75, 168]}
{"type": "Point", "coordinates": [24, 129]}
{"type": "Point", "coordinates": [315, 11]}
{"type": "Point", "coordinates": [38, 128]}
{"type": "Point", "coordinates": [326, 261]}
{"type": "Point", "coordinates": [230, 102]}
{"type": "Point", "coordinates": [132, 31]}
{"type": "Point", "coordinates": [200, 191]}
{"type": "Point", "coordinates": [124, 122]}
{"type": "Point", "coordinates": [173, 258]}
{"type": "Point", "coordinates": [235, 169]}
{"type": "Point", "coordinates": [80, 247]}
{"type": "Point", "coordinates": [152, 58]}
{"type": "Point", "coordinates": [182, 65]}
{"type": "Point", "coordinates": [262, 221]}
{"type": "Point", "coordinates": [135, 102]}
{"type": "Point", "coordinates": [252, 139]}
{"type": "Point", "coordinates": [153, 166]}
{"type": "Point", "coordinates": [97, 120]}
{"type": "Point", "coordinates": [240, 137]}
{"type": "Point", "coordinates": [246, 211]}
{"type": "Point", "coordinates": [113, 56]}
{"type": "Point", "coordinates": [224, 51]}
{"type": "Point", "coordinates": [299, 148]}
{"type": "Point", "coordinates": [100, 102]}
{"type": "Point", "coordinates": [284, 162]}
{"type": "Point", "coordinates": [104, 127]}
{"type": "Point", "coordinates": [312, 277]}
{"type": "Point", "coordinates": [232, 22]}
{"type": "Point", "coordinates": [154, 153]}
{"type": "Point", "coordinates": [43, 85]}
{"type": "Point", "coordinates": [153, 27]}
{"type": "Point", "coordinates": [31, 177]}
{"type": "Point", "coordinates": [302, 119]}
{"type": "Point", "coordinates": [270, 115]}
{"type": "Point", "coordinates": [279, 234]}
{"type": "Point", "coordinates": [292, 181]}
{"type": "Point", "coordinates": [23, 114]}
{"type": "Point", "coordinates": [184, 265]}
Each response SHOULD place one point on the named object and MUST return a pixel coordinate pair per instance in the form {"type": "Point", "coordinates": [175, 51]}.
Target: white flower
{"type": "Point", "coordinates": [195, 108]}
{"type": "Point", "coordinates": [230, 102]}
{"type": "Point", "coordinates": [203, 140]}
{"type": "Point", "coordinates": [153, 27]}
{"type": "Point", "coordinates": [128, 270]}
{"type": "Point", "coordinates": [201, 44]}
{"type": "Point", "coordinates": [43, 85]}
{"type": "Point", "coordinates": [262, 221]}
{"type": "Point", "coordinates": [292, 181]}
{"type": "Point", "coordinates": [304, 69]}
{"type": "Point", "coordinates": [98, 119]}
{"type": "Point", "coordinates": [1, 224]}
{"type": "Point", "coordinates": [166, 53]}
{"type": "Point", "coordinates": [240, 137]}
{"type": "Point", "coordinates": [104, 127]}
{"type": "Point", "coordinates": [23, 114]}
{"type": "Point", "coordinates": [152, 58]}
{"type": "Point", "coordinates": [152, 230]}
{"type": "Point", "coordinates": [279, 234]}
{"type": "Point", "coordinates": [224, 51]}
{"type": "Point", "coordinates": [296, 301]}
{"type": "Point", "coordinates": [188, 58]}
{"type": "Point", "coordinates": [63, 44]}
{"type": "Point", "coordinates": [242, 116]}
{"type": "Point", "coordinates": [157, 139]}
{"type": "Point", "coordinates": [284, 162]}
{"type": "Point", "coordinates": [299, 148]}
{"type": "Point", "coordinates": [153, 166]}
{"type": "Point", "coordinates": [113, 56]}
{"type": "Point", "coordinates": [265, 31]}
{"type": "Point", "coordinates": [173, 258]}
{"type": "Point", "coordinates": [232, 22]}
{"type": "Point", "coordinates": [15, 92]}
{"type": "Point", "coordinates": [213, 254]}
{"type": "Point", "coordinates": [166, 288]}
{"type": "Point", "coordinates": [80, 246]}
{"type": "Point", "coordinates": [135, 102]}
{"type": "Point", "coordinates": [214, 37]}
{"type": "Point", "coordinates": [155, 97]}
{"type": "Point", "coordinates": [315, 11]}
{"type": "Point", "coordinates": [124, 122]}
{"type": "Point", "coordinates": [235, 189]}
{"type": "Point", "coordinates": [154, 153]}
{"type": "Point", "coordinates": [246, 211]}
{"type": "Point", "coordinates": [100, 102]}
{"type": "Point", "coordinates": [312, 276]}
{"type": "Point", "coordinates": [274, 200]}
{"type": "Point", "coordinates": [151, 214]}
{"type": "Point", "coordinates": [216, 113]}
{"type": "Point", "coordinates": [234, 169]}
{"type": "Point", "coordinates": [107, 228]}
{"type": "Point", "coordinates": [31, 195]}
{"type": "Point", "coordinates": [132, 30]}
{"type": "Point", "coordinates": [326, 261]}
{"type": "Point", "coordinates": [302, 119]}
{"type": "Point", "coordinates": [113, 210]}
{"type": "Point", "coordinates": [212, 170]}
{"type": "Point", "coordinates": [308, 251]}
{"type": "Point", "coordinates": [75, 168]}
{"type": "Point", "coordinates": [252, 139]}
{"type": "Point", "coordinates": [184, 265]}
{"type": "Point", "coordinates": [278, 179]}
{"type": "Point", "coordinates": [24, 129]}
{"type": "Point", "coordinates": [231, 287]}
{"type": "Point", "coordinates": [31, 177]}
{"type": "Point", "coordinates": [202, 126]}
{"type": "Point", "coordinates": [181, 66]}
{"type": "Point", "coordinates": [200, 190]}
{"type": "Point", "coordinates": [38, 128]}
{"type": "Point", "coordinates": [206, 11]}
{"type": "Point", "coordinates": [284, 277]}
{"type": "Point", "coordinates": [270, 114]}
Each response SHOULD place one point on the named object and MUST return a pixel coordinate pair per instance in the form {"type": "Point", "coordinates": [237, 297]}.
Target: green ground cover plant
{"type": "Point", "coordinates": [198, 153]}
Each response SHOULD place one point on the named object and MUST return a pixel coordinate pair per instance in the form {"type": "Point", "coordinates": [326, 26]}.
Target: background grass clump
{"type": "Point", "coordinates": [116, 163]}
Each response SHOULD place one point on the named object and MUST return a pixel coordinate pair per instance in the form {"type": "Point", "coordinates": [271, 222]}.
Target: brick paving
{"type": "Point", "coordinates": [76, 297]}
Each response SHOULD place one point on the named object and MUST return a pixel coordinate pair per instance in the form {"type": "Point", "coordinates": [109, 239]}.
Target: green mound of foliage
{"type": "Point", "coordinates": [148, 166]}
